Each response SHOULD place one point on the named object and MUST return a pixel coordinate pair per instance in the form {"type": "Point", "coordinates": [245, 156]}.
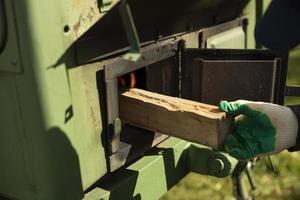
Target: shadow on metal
{"type": "Point", "coordinates": [3, 28]}
{"type": "Point", "coordinates": [107, 37]}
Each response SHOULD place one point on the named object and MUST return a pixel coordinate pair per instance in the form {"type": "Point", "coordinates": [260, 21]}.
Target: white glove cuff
{"type": "Point", "coordinates": [287, 129]}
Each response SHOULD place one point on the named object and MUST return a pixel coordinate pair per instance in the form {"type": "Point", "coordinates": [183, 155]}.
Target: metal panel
{"type": "Point", "coordinates": [59, 104]}
{"type": "Point", "coordinates": [149, 177]}
{"type": "Point", "coordinates": [80, 15]}
{"type": "Point", "coordinates": [223, 33]}
{"type": "Point", "coordinates": [167, 21]}
{"type": "Point", "coordinates": [159, 169]}
{"type": "Point", "coordinates": [10, 56]}
{"type": "Point", "coordinates": [12, 141]}
{"type": "Point", "coordinates": [58, 100]}
{"type": "Point", "coordinates": [233, 74]}
{"type": "Point", "coordinates": [233, 38]}
{"type": "Point", "coordinates": [232, 80]}
{"type": "Point", "coordinates": [3, 31]}
{"type": "Point", "coordinates": [60, 127]}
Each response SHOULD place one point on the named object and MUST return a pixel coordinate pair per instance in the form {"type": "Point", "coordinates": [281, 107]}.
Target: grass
{"type": "Point", "coordinates": [285, 185]}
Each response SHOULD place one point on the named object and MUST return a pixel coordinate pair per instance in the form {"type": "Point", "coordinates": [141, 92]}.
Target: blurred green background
{"type": "Point", "coordinates": [285, 184]}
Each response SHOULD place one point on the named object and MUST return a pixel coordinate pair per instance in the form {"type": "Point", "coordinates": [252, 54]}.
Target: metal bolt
{"type": "Point", "coordinates": [14, 62]}
{"type": "Point", "coordinates": [216, 166]}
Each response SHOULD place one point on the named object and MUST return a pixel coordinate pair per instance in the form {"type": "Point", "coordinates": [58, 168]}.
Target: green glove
{"type": "Point", "coordinates": [260, 129]}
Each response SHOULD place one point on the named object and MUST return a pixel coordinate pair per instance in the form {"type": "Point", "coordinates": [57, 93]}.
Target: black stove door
{"type": "Point", "coordinates": [211, 75]}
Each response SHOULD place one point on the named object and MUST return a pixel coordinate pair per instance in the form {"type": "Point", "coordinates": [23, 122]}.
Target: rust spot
{"type": "Point", "coordinates": [91, 14]}
{"type": "Point", "coordinates": [76, 26]}
{"type": "Point", "coordinates": [94, 120]}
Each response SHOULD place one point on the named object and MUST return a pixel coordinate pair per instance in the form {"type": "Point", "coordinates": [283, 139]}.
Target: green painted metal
{"type": "Point", "coordinates": [50, 119]}
{"type": "Point", "coordinates": [161, 168]}
{"type": "Point", "coordinates": [293, 73]}
{"type": "Point", "coordinates": [250, 12]}
{"type": "Point", "coordinates": [233, 38]}
{"type": "Point", "coordinates": [204, 160]}
{"type": "Point", "coordinates": [265, 4]}
{"type": "Point", "coordinates": [148, 178]}
{"type": "Point", "coordinates": [3, 29]}
{"type": "Point", "coordinates": [10, 60]}
{"type": "Point", "coordinates": [80, 15]}
{"type": "Point", "coordinates": [135, 51]}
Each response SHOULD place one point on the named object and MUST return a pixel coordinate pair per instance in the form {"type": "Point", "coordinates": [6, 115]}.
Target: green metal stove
{"type": "Point", "coordinates": [60, 132]}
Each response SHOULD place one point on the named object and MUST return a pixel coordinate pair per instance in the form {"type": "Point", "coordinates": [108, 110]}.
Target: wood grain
{"type": "Point", "coordinates": [189, 120]}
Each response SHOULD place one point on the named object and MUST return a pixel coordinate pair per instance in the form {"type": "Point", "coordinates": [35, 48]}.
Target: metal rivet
{"type": "Point", "coordinates": [14, 62]}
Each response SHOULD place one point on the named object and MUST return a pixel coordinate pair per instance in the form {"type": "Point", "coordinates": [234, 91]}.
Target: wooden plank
{"type": "Point", "coordinates": [189, 120]}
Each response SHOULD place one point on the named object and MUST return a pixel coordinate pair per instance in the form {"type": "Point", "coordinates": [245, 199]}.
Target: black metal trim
{"type": "Point", "coordinates": [119, 153]}
{"type": "Point", "coordinates": [231, 54]}
{"type": "Point", "coordinates": [248, 54]}
{"type": "Point", "coordinates": [293, 91]}
{"type": "Point", "coordinates": [282, 76]}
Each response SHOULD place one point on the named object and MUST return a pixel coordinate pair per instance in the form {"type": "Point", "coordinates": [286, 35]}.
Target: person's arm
{"type": "Point", "coordinates": [296, 111]}
{"type": "Point", "coordinates": [279, 28]}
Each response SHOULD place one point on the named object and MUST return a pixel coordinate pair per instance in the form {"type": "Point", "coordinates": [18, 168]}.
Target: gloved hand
{"type": "Point", "coordinates": [260, 128]}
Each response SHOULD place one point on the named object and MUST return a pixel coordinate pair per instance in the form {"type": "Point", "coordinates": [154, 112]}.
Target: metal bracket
{"type": "Point", "coordinates": [204, 160]}
{"type": "Point", "coordinates": [239, 188]}
{"type": "Point", "coordinates": [105, 5]}
{"type": "Point", "coordinates": [117, 128]}
{"type": "Point", "coordinates": [292, 91]}
{"type": "Point", "coordinates": [135, 51]}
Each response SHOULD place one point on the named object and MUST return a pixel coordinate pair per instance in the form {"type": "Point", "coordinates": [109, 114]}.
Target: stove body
{"type": "Point", "coordinates": [61, 137]}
